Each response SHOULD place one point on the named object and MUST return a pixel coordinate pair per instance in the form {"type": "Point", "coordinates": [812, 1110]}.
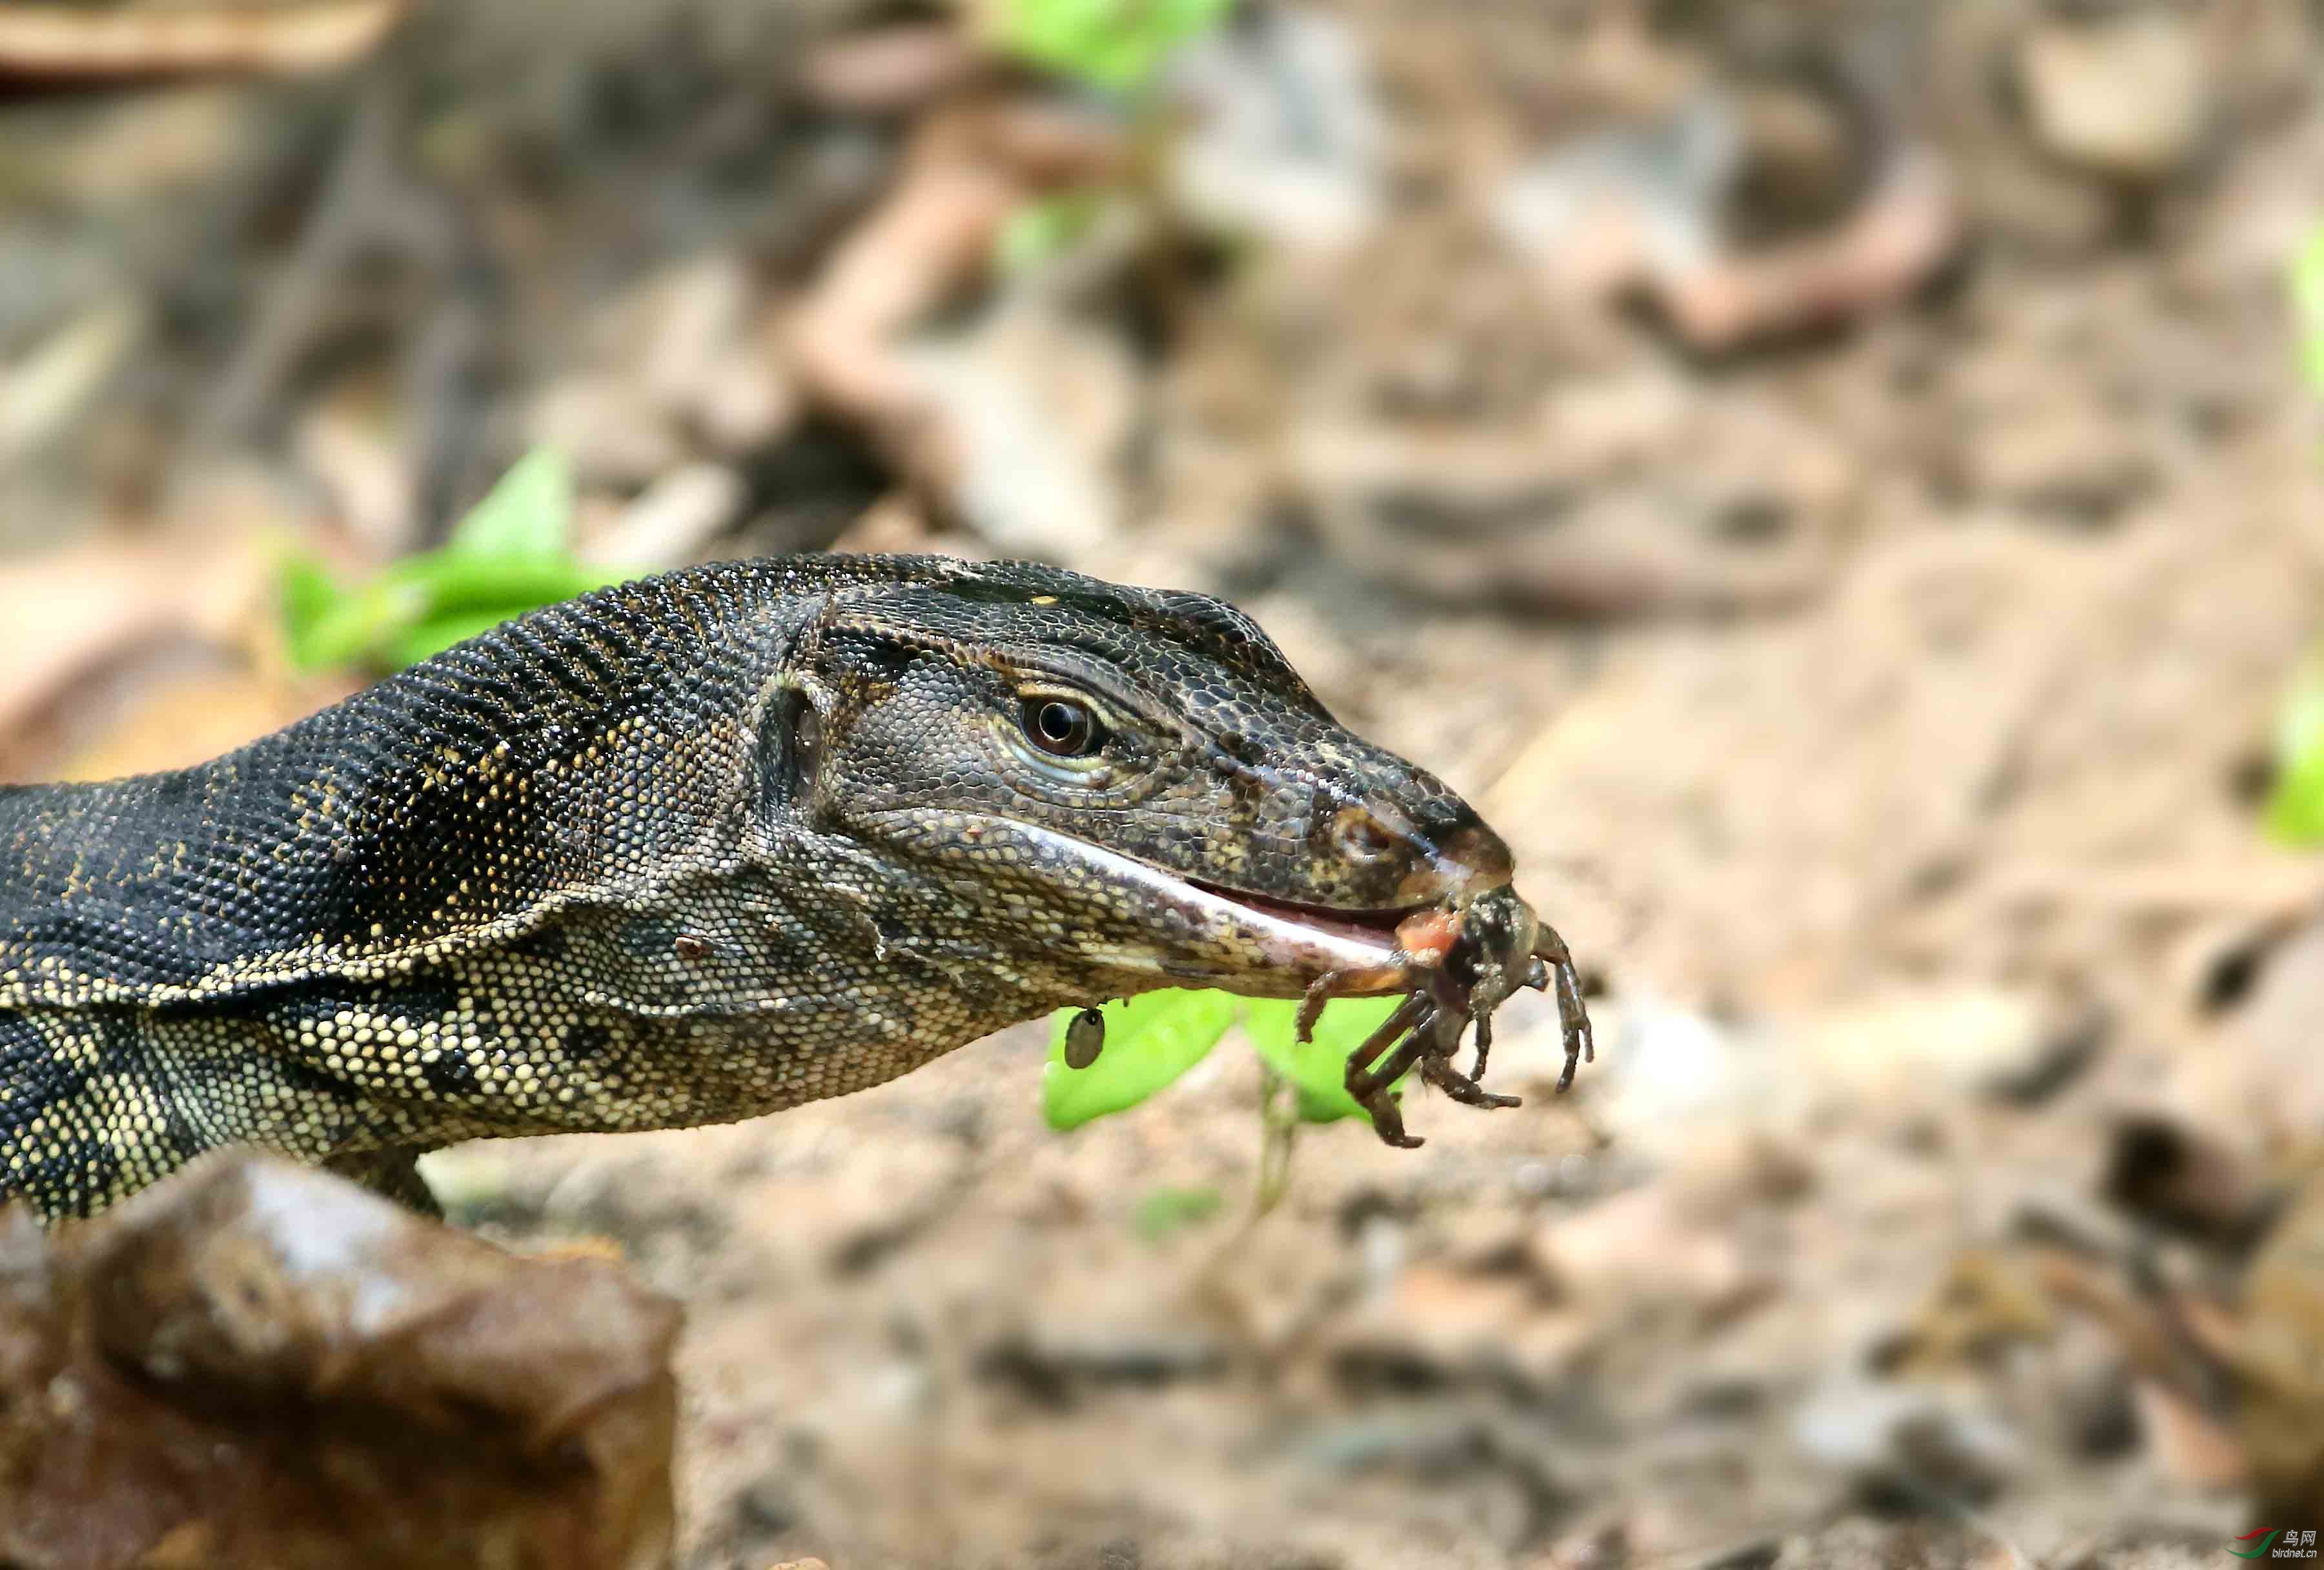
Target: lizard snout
{"type": "Point", "coordinates": [1422, 853]}
{"type": "Point", "coordinates": [1463, 856]}
{"type": "Point", "coordinates": [1470, 858]}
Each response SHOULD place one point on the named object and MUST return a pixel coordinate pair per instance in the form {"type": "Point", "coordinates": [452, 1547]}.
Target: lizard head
{"type": "Point", "coordinates": [1135, 781]}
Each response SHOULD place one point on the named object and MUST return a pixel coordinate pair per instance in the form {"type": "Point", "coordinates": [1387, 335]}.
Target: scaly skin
{"type": "Point", "coordinates": [686, 851]}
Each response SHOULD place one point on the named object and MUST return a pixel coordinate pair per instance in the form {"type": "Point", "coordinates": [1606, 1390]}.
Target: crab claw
{"type": "Point", "coordinates": [1572, 1014]}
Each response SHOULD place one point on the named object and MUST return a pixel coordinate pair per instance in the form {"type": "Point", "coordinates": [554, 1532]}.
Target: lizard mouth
{"type": "Point", "coordinates": [1355, 925]}
{"type": "Point", "coordinates": [1144, 918]}
{"type": "Point", "coordinates": [1286, 945]}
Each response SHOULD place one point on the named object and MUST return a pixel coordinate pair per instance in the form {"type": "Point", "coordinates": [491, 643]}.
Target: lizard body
{"type": "Point", "coordinates": [690, 850]}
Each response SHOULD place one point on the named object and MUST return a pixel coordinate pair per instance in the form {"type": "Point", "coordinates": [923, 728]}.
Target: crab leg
{"type": "Point", "coordinates": [1440, 1073]}
{"type": "Point", "coordinates": [1570, 1012]}
{"type": "Point", "coordinates": [1371, 1086]}
{"type": "Point", "coordinates": [1320, 991]}
{"type": "Point", "coordinates": [1475, 1078]}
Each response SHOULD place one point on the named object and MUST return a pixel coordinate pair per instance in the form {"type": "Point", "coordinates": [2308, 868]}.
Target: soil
{"type": "Point", "coordinates": [1880, 708]}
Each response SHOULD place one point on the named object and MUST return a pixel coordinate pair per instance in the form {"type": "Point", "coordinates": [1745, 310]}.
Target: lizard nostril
{"type": "Point", "coordinates": [1363, 838]}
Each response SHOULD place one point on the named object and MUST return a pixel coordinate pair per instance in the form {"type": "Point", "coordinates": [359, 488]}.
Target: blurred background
{"type": "Point", "coordinates": [1836, 482]}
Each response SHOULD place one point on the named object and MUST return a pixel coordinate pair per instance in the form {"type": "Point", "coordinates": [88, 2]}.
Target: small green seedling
{"type": "Point", "coordinates": [1114, 48]}
{"type": "Point", "coordinates": [1316, 1069]}
{"type": "Point", "coordinates": [510, 555]}
{"type": "Point", "coordinates": [2295, 808]}
{"type": "Point", "coordinates": [1154, 1038]}
{"type": "Point", "coordinates": [1163, 1212]}
{"type": "Point", "coordinates": [1043, 228]}
{"type": "Point", "coordinates": [1114, 45]}
{"type": "Point", "coordinates": [2308, 307]}
{"type": "Point", "coordinates": [1151, 1041]}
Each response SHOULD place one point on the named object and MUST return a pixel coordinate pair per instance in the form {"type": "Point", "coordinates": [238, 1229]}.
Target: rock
{"type": "Point", "coordinates": [2122, 95]}
{"type": "Point", "coordinates": [258, 1363]}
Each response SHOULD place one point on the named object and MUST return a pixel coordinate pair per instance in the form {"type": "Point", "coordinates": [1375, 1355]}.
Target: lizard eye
{"type": "Point", "coordinates": [1061, 727]}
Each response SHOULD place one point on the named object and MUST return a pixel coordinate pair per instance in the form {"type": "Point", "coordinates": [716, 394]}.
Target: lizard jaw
{"type": "Point", "coordinates": [1200, 936]}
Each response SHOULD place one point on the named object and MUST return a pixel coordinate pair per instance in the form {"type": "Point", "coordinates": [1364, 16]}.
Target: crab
{"type": "Point", "coordinates": [1464, 960]}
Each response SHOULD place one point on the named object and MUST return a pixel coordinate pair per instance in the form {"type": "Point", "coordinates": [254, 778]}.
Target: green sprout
{"type": "Point", "coordinates": [1163, 1212]}
{"type": "Point", "coordinates": [510, 555]}
{"type": "Point", "coordinates": [2295, 806]}
{"type": "Point", "coordinates": [1114, 45]}
{"type": "Point", "coordinates": [1153, 1038]}
{"type": "Point", "coordinates": [2308, 307]}
{"type": "Point", "coordinates": [2294, 815]}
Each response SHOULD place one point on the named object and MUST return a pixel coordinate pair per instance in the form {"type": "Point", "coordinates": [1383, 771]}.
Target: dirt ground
{"type": "Point", "coordinates": [1877, 691]}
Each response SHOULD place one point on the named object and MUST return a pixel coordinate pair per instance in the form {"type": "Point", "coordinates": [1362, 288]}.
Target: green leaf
{"type": "Point", "coordinates": [1162, 1211]}
{"type": "Point", "coordinates": [528, 513]}
{"type": "Point", "coordinates": [1149, 1041]}
{"type": "Point", "coordinates": [1318, 1069]}
{"type": "Point", "coordinates": [426, 604]}
{"type": "Point", "coordinates": [459, 580]}
{"type": "Point", "coordinates": [309, 595]}
{"type": "Point", "coordinates": [505, 558]}
{"type": "Point", "coordinates": [2295, 808]}
{"type": "Point", "coordinates": [1113, 44]}
{"type": "Point", "coordinates": [1037, 231]}
{"type": "Point", "coordinates": [2308, 307]}
{"type": "Point", "coordinates": [359, 624]}
{"type": "Point", "coordinates": [438, 633]}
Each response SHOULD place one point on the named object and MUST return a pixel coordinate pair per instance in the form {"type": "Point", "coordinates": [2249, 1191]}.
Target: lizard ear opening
{"type": "Point", "coordinates": [791, 750]}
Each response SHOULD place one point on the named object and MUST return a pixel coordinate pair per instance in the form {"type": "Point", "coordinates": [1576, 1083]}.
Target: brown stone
{"type": "Point", "coordinates": [255, 1363]}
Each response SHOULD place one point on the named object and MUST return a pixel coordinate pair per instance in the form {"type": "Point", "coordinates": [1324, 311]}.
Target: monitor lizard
{"type": "Point", "coordinates": [689, 850]}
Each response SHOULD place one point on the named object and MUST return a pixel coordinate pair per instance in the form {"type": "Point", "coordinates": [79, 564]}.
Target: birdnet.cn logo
{"type": "Point", "coordinates": [2275, 1543]}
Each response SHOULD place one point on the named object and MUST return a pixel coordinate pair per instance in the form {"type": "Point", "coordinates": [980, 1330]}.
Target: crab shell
{"type": "Point", "coordinates": [1484, 950]}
